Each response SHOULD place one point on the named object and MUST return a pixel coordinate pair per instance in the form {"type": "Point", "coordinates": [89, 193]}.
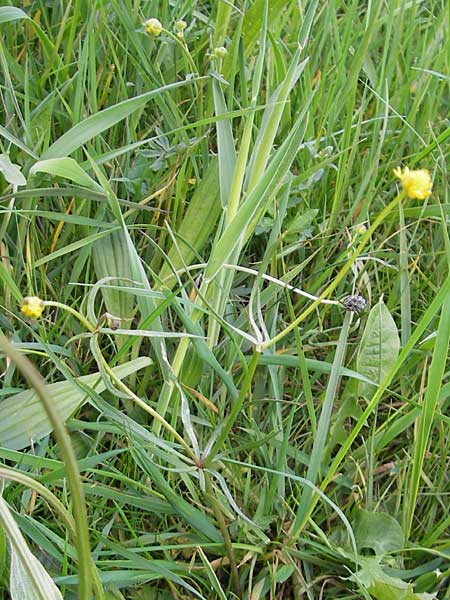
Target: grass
{"type": "Point", "coordinates": [171, 204]}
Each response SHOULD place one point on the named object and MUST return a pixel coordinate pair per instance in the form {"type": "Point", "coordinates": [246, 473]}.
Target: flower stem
{"type": "Point", "coordinates": [340, 276]}
{"type": "Point", "coordinates": [86, 570]}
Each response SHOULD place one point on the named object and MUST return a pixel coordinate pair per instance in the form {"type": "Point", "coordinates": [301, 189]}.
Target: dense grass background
{"type": "Point", "coordinates": [287, 448]}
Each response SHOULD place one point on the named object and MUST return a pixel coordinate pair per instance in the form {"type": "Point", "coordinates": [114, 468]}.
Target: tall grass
{"type": "Point", "coordinates": [192, 219]}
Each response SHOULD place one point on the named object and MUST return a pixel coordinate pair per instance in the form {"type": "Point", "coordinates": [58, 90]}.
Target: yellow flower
{"type": "Point", "coordinates": [417, 184]}
{"type": "Point", "coordinates": [152, 27]}
{"type": "Point", "coordinates": [32, 307]}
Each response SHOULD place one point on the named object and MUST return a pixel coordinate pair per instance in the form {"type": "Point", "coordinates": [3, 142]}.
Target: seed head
{"type": "Point", "coordinates": [354, 303]}
{"type": "Point", "coordinates": [417, 184]}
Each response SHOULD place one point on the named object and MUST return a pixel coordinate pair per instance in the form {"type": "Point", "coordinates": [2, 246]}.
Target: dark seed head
{"type": "Point", "coordinates": [354, 303]}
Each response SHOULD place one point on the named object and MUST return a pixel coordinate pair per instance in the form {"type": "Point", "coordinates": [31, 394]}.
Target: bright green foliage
{"type": "Point", "coordinates": [179, 202]}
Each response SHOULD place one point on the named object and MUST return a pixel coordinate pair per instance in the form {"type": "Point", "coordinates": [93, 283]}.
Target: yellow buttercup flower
{"type": "Point", "coordinates": [417, 184]}
{"type": "Point", "coordinates": [153, 27]}
{"type": "Point", "coordinates": [32, 307]}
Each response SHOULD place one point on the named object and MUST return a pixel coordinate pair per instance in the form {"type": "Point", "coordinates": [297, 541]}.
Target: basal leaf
{"type": "Point", "coordinates": [378, 531]}
{"type": "Point", "coordinates": [379, 348]}
{"type": "Point", "coordinates": [24, 418]}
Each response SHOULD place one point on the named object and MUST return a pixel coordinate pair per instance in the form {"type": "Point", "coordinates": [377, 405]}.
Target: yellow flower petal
{"type": "Point", "coordinates": [417, 184]}
{"type": "Point", "coordinates": [32, 307]}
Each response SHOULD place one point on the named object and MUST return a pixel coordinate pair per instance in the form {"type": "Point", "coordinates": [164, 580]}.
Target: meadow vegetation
{"type": "Point", "coordinates": [191, 405]}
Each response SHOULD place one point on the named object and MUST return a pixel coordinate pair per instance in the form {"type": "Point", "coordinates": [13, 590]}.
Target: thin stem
{"type": "Point", "coordinates": [340, 276]}
{"type": "Point", "coordinates": [235, 410]}
{"type": "Point", "coordinates": [73, 312]}
{"type": "Point", "coordinates": [283, 284]}
{"type": "Point", "coordinates": [73, 474]}
{"type": "Point", "coordinates": [217, 509]}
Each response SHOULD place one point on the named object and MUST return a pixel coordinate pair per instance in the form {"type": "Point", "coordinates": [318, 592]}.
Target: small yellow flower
{"type": "Point", "coordinates": [180, 25]}
{"type": "Point", "coordinates": [32, 307]}
{"type": "Point", "coordinates": [152, 27]}
{"type": "Point", "coordinates": [417, 184]}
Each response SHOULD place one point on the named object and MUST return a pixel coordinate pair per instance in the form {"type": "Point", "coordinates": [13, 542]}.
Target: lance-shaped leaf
{"type": "Point", "coordinates": [24, 418]}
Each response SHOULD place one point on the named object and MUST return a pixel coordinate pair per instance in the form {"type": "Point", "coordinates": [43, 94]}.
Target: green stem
{"type": "Point", "coordinates": [19, 477]}
{"type": "Point", "coordinates": [235, 410]}
{"type": "Point", "coordinates": [340, 276]}
{"type": "Point", "coordinates": [217, 509]}
{"type": "Point", "coordinates": [323, 426]}
{"type": "Point", "coordinates": [73, 312]}
{"type": "Point", "coordinates": [34, 379]}
{"type": "Point", "coordinates": [122, 386]}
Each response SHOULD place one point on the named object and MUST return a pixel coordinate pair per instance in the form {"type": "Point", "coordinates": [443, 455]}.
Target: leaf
{"type": "Point", "coordinates": [225, 145]}
{"type": "Point", "coordinates": [24, 418]}
{"type": "Point", "coordinates": [111, 260]}
{"type": "Point", "coordinates": [378, 531]}
{"type": "Point", "coordinates": [257, 201]}
{"type": "Point", "coordinates": [11, 172]}
{"type": "Point", "coordinates": [96, 124]}
{"type": "Point", "coordinates": [379, 348]}
{"type": "Point", "coordinates": [28, 578]}
{"type": "Point", "coordinates": [68, 168]}
{"type": "Point", "coordinates": [384, 587]}
{"type": "Point", "coordinates": [11, 13]}
{"type": "Point", "coordinates": [197, 225]}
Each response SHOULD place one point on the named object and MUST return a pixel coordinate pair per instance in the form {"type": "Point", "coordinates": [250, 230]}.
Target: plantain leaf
{"type": "Point", "coordinates": [96, 124]}
{"type": "Point", "coordinates": [28, 578]}
{"type": "Point", "coordinates": [11, 13]}
{"type": "Point", "coordinates": [68, 168]}
{"type": "Point", "coordinates": [24, 418]}
{"type": "Point", "coordinates": [383, 587]}
{"type": "Point", "coordinates": [111, 259]}
{"type": "Point", "coordinates": [378, 531]}
{"type": "Point", "coordinates": [379, 348]}
{"type": "Point", "coordinates": [197, 225]}
{"type": "Point", "coordinates": [11, 172]}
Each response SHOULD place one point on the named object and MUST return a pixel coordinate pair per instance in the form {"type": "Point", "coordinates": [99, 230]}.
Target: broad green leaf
{"type": "Point", "coordinates": [68, 168]}
{"type": "Point", "coordinates": [72, 247]}
{"type": "Point", "coordinates": [197, 225]}
{"type": "Point", "coordinates": [28, 578]}
{"type": "Point", "coordinates": [111, 259]}
{"type": "Point", "coordinates": [383, 587]}
{"type": "Point", "coordinates": [96, 124]}
{"type": "Point", "coordinates": [378, 531]}
{"type": "Point", "coordinates": [11, 172]}
{"type": "Point", "coordinates": [24, 418]}
{"type": "Point", "coordinates": [11, 13]}
{"type": "Point", "coordinates": [379, 348]}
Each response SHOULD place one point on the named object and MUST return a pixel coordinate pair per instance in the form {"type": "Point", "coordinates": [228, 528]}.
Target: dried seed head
{"type": "Point", "coordinates": [354, 303]}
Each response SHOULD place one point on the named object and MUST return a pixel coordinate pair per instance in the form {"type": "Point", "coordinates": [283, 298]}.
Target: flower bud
{"type": "Point", "coordinates": [152, 27]}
